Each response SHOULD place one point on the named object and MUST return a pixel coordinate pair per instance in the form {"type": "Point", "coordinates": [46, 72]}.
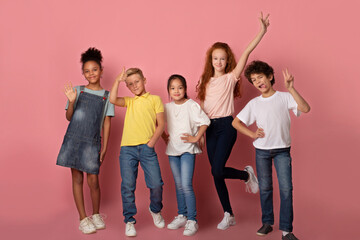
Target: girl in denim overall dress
{"type": "Point", "coordinates": [81, 149]}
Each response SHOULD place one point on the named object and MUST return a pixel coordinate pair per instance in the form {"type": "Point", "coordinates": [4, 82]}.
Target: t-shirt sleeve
{"type": "Point", "coordinates": [233, 78]}
{"type": "Point", "coordinates": [110, 109]}
{"type": "Point", "coordinates": [127, 100]}
{"type": "Point", "coordinates": [158, 105]}
{"type": "Point", "coordinates": [246, 115]}
{"type": "Point", "coordinates": [292, 105]}
{"type": "Point", "coordinates": [199, 116]}
{"type": "Point", "coordinates": [77, 97]}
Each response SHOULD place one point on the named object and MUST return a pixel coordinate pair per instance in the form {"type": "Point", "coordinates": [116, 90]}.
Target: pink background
{"type": "Point", "coordinates": [40, 47]}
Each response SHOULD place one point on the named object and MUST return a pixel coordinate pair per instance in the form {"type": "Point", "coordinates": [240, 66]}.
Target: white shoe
{"type": "Point", "coordinates": [252, 184]}
{"type": "Point", "coordinates": [227, 221]}
{"type": "Point", "coordinates": [86, 226]}
{"type": "Point", "coordinates": [191, 228]}
{"type": "Point", "coordinates": [178, 222]}
{"type": "Point", "coordinates": [158, 219]}
{"type": "Point", "coordinates": [98, 221]}
{"type": "Point", "coordinates": [130, 230]}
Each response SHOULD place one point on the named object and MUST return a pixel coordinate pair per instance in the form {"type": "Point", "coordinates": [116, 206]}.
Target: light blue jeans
{"type": "Point", "coordinates": [182, 168]}
{"type": "Point", "coordinates": [130, 157]}
{"type": "Point", "coordinates": [282, 162]}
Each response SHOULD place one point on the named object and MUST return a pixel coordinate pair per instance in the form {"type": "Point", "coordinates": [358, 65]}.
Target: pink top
{"type": "Point", "coordinates": [219, 99]}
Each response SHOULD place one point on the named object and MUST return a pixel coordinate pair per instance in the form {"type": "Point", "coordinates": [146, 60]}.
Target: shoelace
{"type": "Point", "coordinates": [102, 216]}
{"type": "Point", "coordinates": [157, 217]}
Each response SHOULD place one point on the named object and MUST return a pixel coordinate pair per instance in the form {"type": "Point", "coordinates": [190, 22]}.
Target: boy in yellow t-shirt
{"type": "Point", "coordinates": [144, 124]}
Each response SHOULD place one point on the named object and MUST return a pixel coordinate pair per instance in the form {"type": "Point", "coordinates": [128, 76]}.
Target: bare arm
{"type": "Point", "coordinates": [193, 139]}
{"type": "Point", "coordinates": [106, 134]}
{"type": "Point", "coordinates": [70, 93]}
{"type": "Point", "coordinates": [160, 121]}
{"type": "Point", "coordinates": [244, 57]}
{"type": "Point", "coordinates": [303, 106]}
{"type": "Point", "coordinates": [240, 127]}
{"type": "Point", "coordinates": [114, 99]}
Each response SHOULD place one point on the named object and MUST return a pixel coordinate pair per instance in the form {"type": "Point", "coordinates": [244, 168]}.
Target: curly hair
{"type": "Point", "coordinates": [259, 67]}
{"type": "Point", "coordinates": [92, 54]}
{"type": "Point", "coordinates": [209, 70]}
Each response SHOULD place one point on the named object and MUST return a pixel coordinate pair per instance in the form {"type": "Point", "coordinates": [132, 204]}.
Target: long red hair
{"type": "Point", "coordinates": [209, 70]}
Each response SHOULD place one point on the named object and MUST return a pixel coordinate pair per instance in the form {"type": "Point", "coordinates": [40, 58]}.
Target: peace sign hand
{"type": "Point", "coordinates": [289, 79]}
{"type": "Point", "coordinates": [265, 22]}
{"type": "Point", "coordinates": [122, 76]}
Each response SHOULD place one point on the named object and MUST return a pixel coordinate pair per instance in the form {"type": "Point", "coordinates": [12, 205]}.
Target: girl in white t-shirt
{"type": "Point", "coordinates": [186, 123]}
{"type": "Point", "coordinates": [220, 83]}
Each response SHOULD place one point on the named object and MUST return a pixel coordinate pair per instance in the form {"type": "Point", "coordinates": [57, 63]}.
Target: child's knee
{"type": "Point", "coordinates": [93, 181]}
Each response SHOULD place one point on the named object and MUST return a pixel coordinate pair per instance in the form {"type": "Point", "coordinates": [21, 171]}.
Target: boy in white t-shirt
{"type": "Point", "coordinates": [272, 141]}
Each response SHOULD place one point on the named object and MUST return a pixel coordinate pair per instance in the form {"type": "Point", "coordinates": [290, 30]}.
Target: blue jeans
{"type": "Point", "coordinates": [130, 156]}
{"type": "Point", "coordinates": [282, 162]}
{"type": "Point", "coordinates": [182, 168]}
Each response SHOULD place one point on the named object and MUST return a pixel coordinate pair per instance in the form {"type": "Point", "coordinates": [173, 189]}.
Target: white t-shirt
{"type": "Point", "coordinates": [272, 115]}
{"type": "Point", "coordinates": [183, 118]}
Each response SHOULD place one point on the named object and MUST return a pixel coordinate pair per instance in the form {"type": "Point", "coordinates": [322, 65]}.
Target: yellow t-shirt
{"type": "Point", "coordinates": [140, 119]}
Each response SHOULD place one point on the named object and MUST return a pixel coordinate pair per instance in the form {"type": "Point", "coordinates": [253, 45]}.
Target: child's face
{"type": "Point", "coordinates": [92, 72]}
{"type": "Point", "coordinates": [219, 60]}
{"type": "Point", "coordinates": [136, 84]}
{"type": "Point", "coordinates": [177, 90]}
{"type": "Point", "coordinates": [261, 82]}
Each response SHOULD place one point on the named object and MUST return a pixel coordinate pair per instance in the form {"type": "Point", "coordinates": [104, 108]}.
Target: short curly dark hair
{"type": "Point", "coordinates": [258, 67]}
{"type": "Point", "coordinates": [92, 54]}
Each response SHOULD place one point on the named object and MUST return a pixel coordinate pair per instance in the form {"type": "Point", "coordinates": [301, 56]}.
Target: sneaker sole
{"type": "Point", "coordinates": [100, 228]}
{"type": "Point", "coordinates": [231, 224]}
{"type": "Point", "coordinates": [263, 234]}
{"type": "Point", "coordinates": [88, 232]}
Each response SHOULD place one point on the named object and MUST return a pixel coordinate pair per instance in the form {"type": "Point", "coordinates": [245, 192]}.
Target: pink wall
{"type": "Point", "coordinates": [40, 48]}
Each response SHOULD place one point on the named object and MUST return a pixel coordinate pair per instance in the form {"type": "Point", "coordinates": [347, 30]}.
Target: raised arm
{"type": "Point", "coordinates": [303, 106]}
{"type": "Point", "coordinates": [70, 93]}
{"type": "Point", "coordinates": [114, 99]}
{"type": "Point", "coordinates": [238, 125]}
{"type": "Point", "coordinates": [244, 57]}
{"type": "Point", "coordinates": [160, 122]}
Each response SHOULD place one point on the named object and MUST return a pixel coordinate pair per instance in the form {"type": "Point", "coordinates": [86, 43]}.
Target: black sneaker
{"type": "Point", "coordinates": [289, 236]}
{"type": "Point", "coordinates": [265, 229]}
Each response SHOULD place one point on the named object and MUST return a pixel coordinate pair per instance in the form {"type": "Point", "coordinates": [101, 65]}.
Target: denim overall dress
{"type": "Point", "coordinates": [82, 142]}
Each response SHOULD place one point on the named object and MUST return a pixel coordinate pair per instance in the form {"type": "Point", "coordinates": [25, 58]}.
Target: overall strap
{"type": "Point", "coordinates": [106, 94]}
{"type": "Point", "coordinates": [82, 88]}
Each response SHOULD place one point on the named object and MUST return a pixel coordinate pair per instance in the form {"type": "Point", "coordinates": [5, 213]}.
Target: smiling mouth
{"type": "Point", "coordinates": [262, 86]}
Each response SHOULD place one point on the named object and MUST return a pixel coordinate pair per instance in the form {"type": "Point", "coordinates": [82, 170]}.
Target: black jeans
{"type": "Point", "coordinates": [220, 138]}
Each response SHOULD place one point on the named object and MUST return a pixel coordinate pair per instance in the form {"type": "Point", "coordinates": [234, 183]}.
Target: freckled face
{"type": "Point", "coordinates": [92, 72]}
{"type": "Point", "coordinates": [136, 84]}
{"type": "Point", "coordinates": [219, 60]}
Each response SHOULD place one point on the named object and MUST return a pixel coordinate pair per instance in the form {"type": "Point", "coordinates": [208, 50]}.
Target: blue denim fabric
{"type": "Point", "coordinates": [81, 146]}
{"type": "Point", "coordinates": [220, 139]}
{"type": "Point", "coordinates": [182, 168]}
{"type": "Point", "coordinates": [130, 157]}
{"type": "Point", "coordinates": [282, 162]}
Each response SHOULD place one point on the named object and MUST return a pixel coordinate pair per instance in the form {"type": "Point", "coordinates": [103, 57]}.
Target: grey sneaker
{"type": "Point", "coordinates": [191, 228]}
{"type": "Point", "coordinates": [264, 230]}
{"type": "Point", "coordinates": [289, 236]}
{"type": "Point", "coordinates": [98, 221]}
{"type": "Point", "coordinates": [130, 230]}
{"type": "Point", "coordinates": [178, 222]}
{"type": "Point", "coordinates": [86, 226]}
{"type": "Point", "coordinates": [252, 184]}
{"type": "Point", "coordinates": [158, 219]}
{"type": "Point", "coordinates": [227, 221]}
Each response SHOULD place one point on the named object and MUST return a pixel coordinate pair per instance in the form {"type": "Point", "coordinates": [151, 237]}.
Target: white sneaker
{"type": "Point", "coordinates": [227, 221]}
{"type": "Point", "coordinates": [252, 184]}
{"type": "Point", "coordinates": [130, 230]}
{"type": "Point", "coordinates": [158, 219]}
{"type": "Point", "coordinates": [191, 228]}
{"type": "Point", "coordinates": [86, 226]}
{"type": "Point", "coordinates": [178, 222]}
{"type": "Point", "coordinates": [98, 221]}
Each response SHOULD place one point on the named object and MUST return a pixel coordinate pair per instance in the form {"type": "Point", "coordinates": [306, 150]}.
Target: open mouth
{"type": "Point", "coordinates": [262, 86]}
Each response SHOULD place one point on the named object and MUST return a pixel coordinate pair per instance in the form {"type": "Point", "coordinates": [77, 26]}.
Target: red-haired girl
{"type": "Point", "coordinates": [220, 83]}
